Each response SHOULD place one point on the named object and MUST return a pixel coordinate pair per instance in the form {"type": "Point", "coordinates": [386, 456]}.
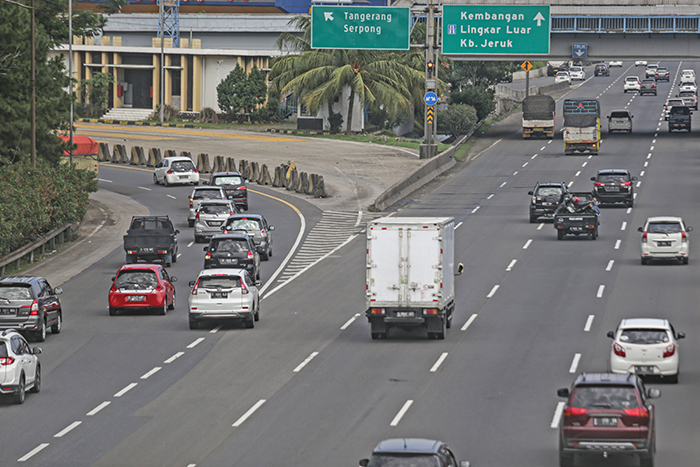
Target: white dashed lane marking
{"type": "Point", "coordinates": [439, 362]}
{"type": "Point", "coordinates": [617, 244]}
{"type": "Point", "coordinates": [610, 265]}
{"type": "Point", "coordinates": [126, 389]}
{"type": "Point", "coordinates": [151, 373]}
{"type": "Point", "coordinates": [305, 362]}
{"type": "Point", "coordinates": [401, 413]}
{"type": "Point", "coordinates": [174, 357]}
{"type": "Point", "coordinates": [589, 323]}
{"type": "Point", "coordinates": [510, 266]}
{"type": "Point", "coordinates": [31, 453]}
{"type": "Point", "coordinates": [574, 363]}
{"type": "Point", "coordinates": [600, 291]}
{"type": "Point", "coordinates": [250, 412]}
{"type": "Point", "coordinates": [349, 322]}
{"type": "Point", "coordinates": [557, 415]}
{"type": "Point", "coordinates": [98, 408]}
{"type": "Point", "coordinates": [469, 322]}
{"type": "Point", "coordinates": [493, 291]}
{"type": "Point", "coordinates": [194, 344]}
{"type": "Point", "coordinates": [527, 244]}
{"type": "Point", "coordinates": [67, 430]}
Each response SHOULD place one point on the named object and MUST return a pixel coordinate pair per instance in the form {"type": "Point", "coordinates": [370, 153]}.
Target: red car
{"type": "Point", "coordinates": [141, 286]}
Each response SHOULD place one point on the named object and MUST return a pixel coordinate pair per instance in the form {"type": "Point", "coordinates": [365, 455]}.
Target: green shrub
{"type": "Point", "coordinates": [482, 99]}
{"type": "Point", "coordinates": [457, 120]}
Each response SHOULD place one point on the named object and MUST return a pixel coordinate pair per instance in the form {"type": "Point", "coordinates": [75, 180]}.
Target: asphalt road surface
{"type": "Point", "coordinates": [307, 386]}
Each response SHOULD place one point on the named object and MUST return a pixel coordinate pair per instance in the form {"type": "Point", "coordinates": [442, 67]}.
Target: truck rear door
{"type": "Point", "coordinates": [422, 255]}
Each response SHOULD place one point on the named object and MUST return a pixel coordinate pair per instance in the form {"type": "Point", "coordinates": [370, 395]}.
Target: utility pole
{"type": "Point", "coordinates": [70, 74]}
{"type": "Point", "coordinates": [33, 104]}
{"type": "Point", "coordinates": [162, 61]}
{"type": "Point", "coordinates": [429, 147]}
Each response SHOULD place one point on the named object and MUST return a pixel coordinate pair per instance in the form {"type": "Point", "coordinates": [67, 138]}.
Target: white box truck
{"type": "Point", "coordinates": [410, 274]}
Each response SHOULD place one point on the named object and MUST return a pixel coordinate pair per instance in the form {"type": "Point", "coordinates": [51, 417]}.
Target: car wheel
{"type": "Point", "coordinates": [56, 328]}
{"type": "Point", "coordinates": [257, 313]}
{"type": "Point", "coordinates": [644, 260]}
{"type": "Point", "coordinates": [673, 379]}
{"type": "Point", "coordinates": [560, 234]}
{"type": "Point", "coordinates": [40, 335]}
{"type": "Point", "coordinates": [250, 323]}
{"type": "Point", "coordinates": [269, 253]}
{"type": "Point", "coordinates": [685, 260]}
{"type": "Point", "coordinates": [21, 392]}
{"type": "Point", "coordinates": [196, 183]}
{"type": "Point", "coordinates": [190, 223]}
{"type": "Point", "coordinates": [647, 461]}
{"type": "Point", "coordinates": [165, 181]}
{"type": "Point", "coordinates": [197, 239]}
{"type": "Point", "coordinates": [37, 380]}
{"type": "Point", "coordinates": [194, 324]}
{"type": "Point", "coordinates": [112, 311]}
{"type": "Point", "coordinates": [155, 179]}
{"type": "Point", "coordinates": [594, 234]}
{"type": "Point", "coordinates": [172, 305]}
{"type": "Point", "coordinates": [630, 203]}
{"type": "Point", "coordinates": [378, 335]}
{"type": "Point", "coordinates": [164, 310]}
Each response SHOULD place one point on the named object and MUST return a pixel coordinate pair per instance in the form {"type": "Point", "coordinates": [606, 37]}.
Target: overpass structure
{"type": "Point", "coordinates": [619, 29]}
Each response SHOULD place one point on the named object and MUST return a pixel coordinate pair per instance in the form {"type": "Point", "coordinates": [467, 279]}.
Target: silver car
{"type": "Point", "coordinates": [199, 194]}
{"type": "Point", "coordinates": [257, 228]}
{"type": "Point", "coordinates": [210, 217]}
{"type": "Point", "coordinates": [620, 120]}
{"type": "Point", "coordinates": [21, 370]}
{"type": "Point", "coordinates": [224, 294]}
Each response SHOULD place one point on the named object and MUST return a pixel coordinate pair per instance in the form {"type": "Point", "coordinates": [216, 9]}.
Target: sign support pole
{"type": "Point", "coordinates": [429, 147]}
{"type": "Point", "coordinates": [527, 83]}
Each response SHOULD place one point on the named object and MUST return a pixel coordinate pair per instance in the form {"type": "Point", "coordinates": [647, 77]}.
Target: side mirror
{"type": "Point", "coordinates": [608, 116]}
{"type": "Point", "coordinates": [58, 291]}
{"type": "Point", "coordinates": [191, 283]}
{"type": "Point", "coordinates": [681, 335]}
{"type": "Point", "coordinates": [460, 269]}
{"type": "Point", "coordinates": [689, 229]}
{"type": "Point", "coordinates": [611, 334]}
{"type": "Point", "coordinates": [640, 229]}
{"type": "Point", "coordinates": [206, 248]}
{"type": "Point", "coordinates": [634, 178]}
{"type": "Point", "coordinates": [177, 232]}
{"type": "Point", "coordinates": [271, 228]}
{"type": "Point", "coordinates": [258, 283]}
{"type": "Point", "coordinates": [113, 278]}
{"type": "Point", "coordinates": [364, 462]}
{"type": "Point", "coordinates": [173, 279]}
{"type": "Point", "coordinates": [529, 193]}
{"type": "Point", "coordinates": [563, 392]}
{"type": "Point", "coordinates": [654, 393]}
{"type": "Point", "coordinates": [593, 179]}
{"type": "Point", "coordinates": [36, 350]}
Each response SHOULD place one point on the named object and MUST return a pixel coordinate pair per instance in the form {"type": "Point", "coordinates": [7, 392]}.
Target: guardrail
{"type": "Point", "coordinates": [57, 234]}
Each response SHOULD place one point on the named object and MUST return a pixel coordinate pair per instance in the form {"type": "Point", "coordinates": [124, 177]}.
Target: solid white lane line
{"type": "Point", "coordinates": [305, 362]}
{"type": "Point", "coordinates": [126, 389]}
{"type": "Point", "coordinates": [577, 173]}
{"type": "Point", "coordinates": [475, 209]}
{"type": "Point", "coordinates": [510, 266]}
{"type": "Point", "coordinates": [287, 258]}
{"type": "Point", "coordinates": [174, 357]}
{"type": "Point", "coordinates": [639, 183]}
{"type": "Point", "coordinates": [629, 210]}
{"type": "Point", "coordinates": [151, 372]}
{"type": "Point", "coordinates": [469, 322]}
{"type": "Point", "coordinates": [617, 244]}
{"type": "Point", "coordinates": [171, 196]}
{"type": "Point", "coordinates": [194, 344]}
{"type": "Point", "coordinates": [66, 430]}
{"type": "Point", "coordinates": [103, 180]}
{"type": "Point", "coordinates": [36, 450]}
{"type": "Point", "coordinates": [557, 415]}
{"type": "Point", "coordinates": [574, 363]}
{"type": "Point", "coordinates": [610, 265]}
{"type": "Point", "coordinates": [533, 156]}
{"type": "Point", "coordinates": [624, 226]}
{"type": "Point", "coordinates": [190, 244]}
{"type": "Point", "coordinates": [539, 227]}
{"type": "Point", "coordinates": [401, 413]}
{"type": "Point", "coordinates": [527, 244]}
{"type": "Point", "coordinates": [349, 322]}
{"type": "Point", "coordinates": [213, 331]}
{"type": "Point", "coordinates": [439, 362]}
{"type": "Point", "coordinates": [589, 323]}
{"type": "Point", "coordinates": [641, 174]}
{"type": "Point", "coordinates": [490, 196]}
{"type": "Point", "coordinates": [98, 408]}
{"type": "Point", "coordinates": [144, 188]}
{"type": "Point", "coordinates": [493, 291]}
{"type": "Point", "coordinates": [600, 291]}
{"type": "Point", "coordinates": [503, 184]}
{"type": "Point", "coordinates": [250, 412]}
{"type": "Point", "coordinates": [458, 225]}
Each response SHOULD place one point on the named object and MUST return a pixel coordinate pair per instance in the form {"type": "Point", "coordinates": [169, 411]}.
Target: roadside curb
{"type": "Point", "coordinates": [303, 133]}
{"type": "Point", "coordinates": [129, 122]}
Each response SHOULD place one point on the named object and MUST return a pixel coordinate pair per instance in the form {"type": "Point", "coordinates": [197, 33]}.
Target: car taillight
{"type": "Point", "coordinates": [207, 256]}
{"type": "Point", "coordinates": [132, 252]}
{"type": "Point", "coordinates": [114, 289]}
{"type": "Point", "coordinates": [191, 206]}
{"type": "Point", "coordinates": [6, 361]}
{"type": "Point", "coordinates": [430, 311]}
{"type": "Point", "coordinates": [626, 184]}
{"type": "Point", "coordinates": [684, 237]}
{"type": "Point", "coordinates": [34, 309]}
{"type": "Point", "coordinates": [263, 233]}
{"type": "Point", "coordinates": [242, 188]}
{"type": "Point", "coordinates": [619, 350]}
{"type": "Point", "coordinates": [196, 216]}
{"type": "Point", "coordinates": [599, 184]}
{"type": "Point", "coordinates": [170, 172]}
{"type": "Point", "coordinates": [244, 289]}
{"type": "Point", "coordinates": [376, 311]}
{"type": "Point", "coordinates": [644, 237]}
{"type": "Point", "coordinates": [195, 170]}
{"type": "Point", "coordinates": [669, 350]}
{"type": "Point", "coordinates": [569, 411]}
{"type": "Point", "coordinates": [159, 288]}
{"type": "Point", "coordinates": [195, 288]}
{"type": "Point", "coordinates": [637, 412]}
{"type": "Point", "coordinates": [250, 255]}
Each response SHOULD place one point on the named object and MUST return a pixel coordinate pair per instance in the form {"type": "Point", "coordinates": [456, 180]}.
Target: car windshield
{"type": "Point", "coordinates": [605, 397]}
{"type": "Point", "coordinates": [207, 194]}
{"type": "Point", "coordinates": [229, 245]}
{"type": "Point", "coordinates": [244, 224]}
{"type": "Point", "coordinates": [607, 178]}
{"type": "Point", "coordinates": [664, 227]}
{"type": "Point", "coordinates": [644, 336]}
{"type": "Point", "coordinates": [223, 282]}
{"type": "Point", "coordinates": [215, 209]}
{"type": "Point", "coordinates": [149, 224]}
{"type": "Point", "coordinates": [228, 180]}
{"type": "Point", "coordinates": [182, 166]}
{"type": "Point", "coordinates": [619, 114]}
{"type": "Point", "coordinates": [396, 460]}
{"type": "Point", "coordinates": [662, 70]}
{"type": "Point", "coordinates": [136, 280]}
{"type": "Point", "coordinates": [15, 292]}
{"type": "Point", "coordinates": [673, 102]}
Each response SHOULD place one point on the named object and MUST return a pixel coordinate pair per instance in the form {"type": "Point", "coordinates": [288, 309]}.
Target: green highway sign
{"type": "Point", "coordinates": [360, 27]}
{"type": "Point", "coordinates": [495, 30]}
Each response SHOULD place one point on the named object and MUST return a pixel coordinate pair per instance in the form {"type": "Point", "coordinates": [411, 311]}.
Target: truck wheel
{"type": "Point", "coordinates": [174, 257]}
{"type": "Point", "coordinates": [533, 219]}
{"type": "Point", "coordinates": [378, 335]}
{"type": "Point", "coordinates": [168, 261]}
{"type": "Point", "coordinates": [594, 234]}
{"type": "Point", "coordinates": [560, 234]}
{"type": "Point", "coordinates": [441, 335]}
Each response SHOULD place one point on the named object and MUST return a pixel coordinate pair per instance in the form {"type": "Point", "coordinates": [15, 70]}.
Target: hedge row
{"type": "Point", "coordinates": [35, 201]}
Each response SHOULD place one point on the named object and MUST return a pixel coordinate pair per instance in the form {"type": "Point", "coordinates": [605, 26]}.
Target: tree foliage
{"type": "Point", "coordinates": [457, 120]}
{"type": "Point", "coordinates": [481, 74]}
{"type": "Point", "coordinates": [97, 88]}
{"type": "Point", "coordinates": [239, 91]}
{"type": "Point", "coordinates": [481, 98]}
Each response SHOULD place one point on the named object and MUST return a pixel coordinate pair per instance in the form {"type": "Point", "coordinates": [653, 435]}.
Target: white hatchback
{"type": "Point", "coordinates": [640, 63]}
{"type": "Point", "coordinates": [613, 63]}
{"type": "Point", "coordinates": [20, 369]}
{"type": "Point", "coordinates": [224, 294]}
{"type": "Point", "coordinates": [665, 238]}
{"type": "Point", "coordinates": [562, 77]}
{"type": "Point", "coordinates": [577, 72]}
{"type": "Point", "coordinates": [687, 75]}
{"type": "Point", "coordinates": [175, 170]}
{"type": "Point", "coordinates": [632, 83]}
{"type": "Point", "coordinates": [645, 346]}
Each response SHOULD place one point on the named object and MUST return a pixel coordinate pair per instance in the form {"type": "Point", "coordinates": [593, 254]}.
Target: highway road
{"type": "Point", "coordinates": [307, 386]}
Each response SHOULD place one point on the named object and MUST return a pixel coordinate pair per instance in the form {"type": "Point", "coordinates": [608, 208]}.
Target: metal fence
{"type": "Point", "coordinates": [626, 24]}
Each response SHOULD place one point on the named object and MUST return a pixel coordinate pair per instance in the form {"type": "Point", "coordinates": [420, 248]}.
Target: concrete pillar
{"type": "Point", "coordinates": [77, 69]}
{"type": "Point", "coordinates": [196, 83]}
{"type": "Point", "coordinates": [88, 72]}
{"type": "Point", "coordinates": [105, 61]}
{"type": "Point", "coordinates": [156, 81]}
{"type": "Point", "coordinates": [118, 78]}
{"type": "Point", "coordinates": [183, 82]}
{"type": "Point", "coordinates": [168, 78]}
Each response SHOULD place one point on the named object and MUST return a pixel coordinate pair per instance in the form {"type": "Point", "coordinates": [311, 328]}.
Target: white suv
{"type": "Point", "coordinates": [665, 238]}
{"type": "Point", "coordinates": [224, 294]}
{"type": "Point", "coordinates": [577, 72]}
{"type": "Point", "coordinates": [632, 83]}
{"type": "Point", "coordinates": [688, 75]}
{"type": "Point", "coordinates": [651, 70]}
{"type": "Point", "coordinates": [175, 170]}
{"type": "Point", "coordinates": [19, 366]}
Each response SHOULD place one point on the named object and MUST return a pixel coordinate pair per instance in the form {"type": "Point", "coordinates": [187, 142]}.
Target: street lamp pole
{"type": "Point", "coordinates": [33, 104]}
{"type": "Point", "coordinates": [162, 61]}
{"type": "Point", "coordinates": [70, 74]}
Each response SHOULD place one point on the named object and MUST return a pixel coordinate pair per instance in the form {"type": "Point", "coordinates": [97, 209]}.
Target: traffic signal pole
{"type": "Point", "coordinates": [429, 147]}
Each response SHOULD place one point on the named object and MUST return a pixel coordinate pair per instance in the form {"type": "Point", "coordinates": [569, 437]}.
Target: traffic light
{"type": "Point", "coordinates": [430, 69]}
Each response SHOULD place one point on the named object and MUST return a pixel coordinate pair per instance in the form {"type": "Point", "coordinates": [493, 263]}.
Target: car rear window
{"type": "Point", "coordinates": [619, 115]}
{"type": "Point", "coordinates": [136, 279]}
{"type": "Point", "coordinates": [207, 194]}
{"type": "Point", "coordinates": [149, 224]}
{"type": "Point", "coordinates": [15, 292]}
{"type": "Point", "coordinates": [397, 460]}
{"type": "Point", "coordinates": [686, 94]}
{"type": "Point", "coordinates": [613, 178]}
{"type": "Point", "coordinates": [680, 110]}
{"type": "Point", "coordinates": [662, 69]}
{"type": "Point", "coordinates": [630, 79]}
{"type": "Point", "coordinates": [224, 282]}
{"type": "Point", "coordinates": [605, 397]}
{"type": "Point", "coordinates": [228, 180]}
{"type": "Point", "coordinates": [664, 227]}
{"type": "Point", "coordinates": [575, 68]}
{"type": "Point", "coordinates": [182, 166]}
{"type": "Point", "coordinates": [244, 224]}
{"type": "Point", "coordinates": [644, 336]}
{"type": "Point", "coordinates": [229, 245]}
{"type": "Point", "coordinates": [215, 209]}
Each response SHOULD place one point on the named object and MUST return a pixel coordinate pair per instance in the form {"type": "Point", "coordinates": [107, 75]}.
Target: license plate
{"type": "Point", "coordinates": [576, 229]}
{"type": "Point", "coordinates": [229, 261]}
{"type": "Point", "coordinates": [215, 223]}
{"type": "Point", "coordinates": [146, 250]}
{"type": "Point", "coordinates": [605, 421]}
{"type": "Point", "coordinates": [219, 294]}
{"type": "Point", "coordinates": [405, 314]}
{"type": "Point", "coordinates": [612, 188]}
{"type": "Point", "coordinates": [182, 177]}
{"type": "Point", "coordinates": [8, 311]}
{"type": "Point", "coordinates": [644, 370]}
{"type": "Point", "coordinates": [664, 243]}
{"type": "Point", "coordinates": [135, 298]}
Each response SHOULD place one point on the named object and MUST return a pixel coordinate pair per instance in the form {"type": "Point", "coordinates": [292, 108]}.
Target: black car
{"type": "Point", "coordinates": [30, 305]}
{"type": "Point", "coordinates": [234, 187]}
{"type": "Point", "coordinates": [601, 69]}
{"type": "Point", "coordinates": [546, 197]}
{"type": "Point", "coordinates": [614, 186]}
{"type": "Point", "coordinates": [412, 452]}
{"type": "Point", "coordinates": [257, 229]}
{"type": "Point", "coordinates": [235, 250]}
{"type": "Point", "coordinates": [679, 118]}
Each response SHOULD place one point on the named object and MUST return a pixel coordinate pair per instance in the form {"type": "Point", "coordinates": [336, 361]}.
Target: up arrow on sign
{"type": "Point", "coordinates": [539, 18]}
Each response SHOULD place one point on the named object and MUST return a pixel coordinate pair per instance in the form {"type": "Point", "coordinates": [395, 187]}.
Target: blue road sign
{"type": "Point", "coordinates": [580, 50]}
{"type": "Point", "coordinates": [430, 98]}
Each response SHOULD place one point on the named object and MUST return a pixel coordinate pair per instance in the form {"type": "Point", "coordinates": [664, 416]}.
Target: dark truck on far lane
{"type": "Point", "coordinates": [151, 238]}
{"type": "Point", "coordinates": [577, 215]}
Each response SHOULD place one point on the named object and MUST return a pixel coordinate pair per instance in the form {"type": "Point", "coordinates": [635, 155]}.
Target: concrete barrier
{"type": "Point", "coordinates": [137, 156]}
{"type": "Point", "coordinates": [538, 73]}
{"type": "Point", "coordinates": [154, 157]}
{"type": "Point", "coordinates": [278, 182]}
{"type": "Point", "coordinates": [103, 152]}
{"type": "Point", "coordinates": [291, 166]}
{"type": "Point", "coordinates": [320, 188]}
{"type": "Point", "coordinates": [312, 184]}
{"type": "Point", "coordinates": [254, 172]}
{"type": "Point", "coordinates": [187, 154]}
{"type": "Point", "coordinates": [503, 91]}
{"type": "Point", "coordinates": [119, 155]}
{"type": "Point", "coordinates": [203, 163]}
{"type": "Point", "coordinates": [245, 169]}
{"type": "Point", "coordinates": [230, 164]}
{"type": "Point", "coordinates": [265, 178]}
{"type": "Point", "coordinates": [219, 164]}
{"type": "Point", "coordinates": [303, 186]}
{"type": "Point", "coordinates": [170, 153]}
{"type": "Point", "coordinates": [292, 179]}
{"type": "Point", "coordinates": [552, 88]}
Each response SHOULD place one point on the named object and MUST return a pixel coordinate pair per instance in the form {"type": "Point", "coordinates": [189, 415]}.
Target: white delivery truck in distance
{"type": "Point", "coordinates": [410, 274]}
